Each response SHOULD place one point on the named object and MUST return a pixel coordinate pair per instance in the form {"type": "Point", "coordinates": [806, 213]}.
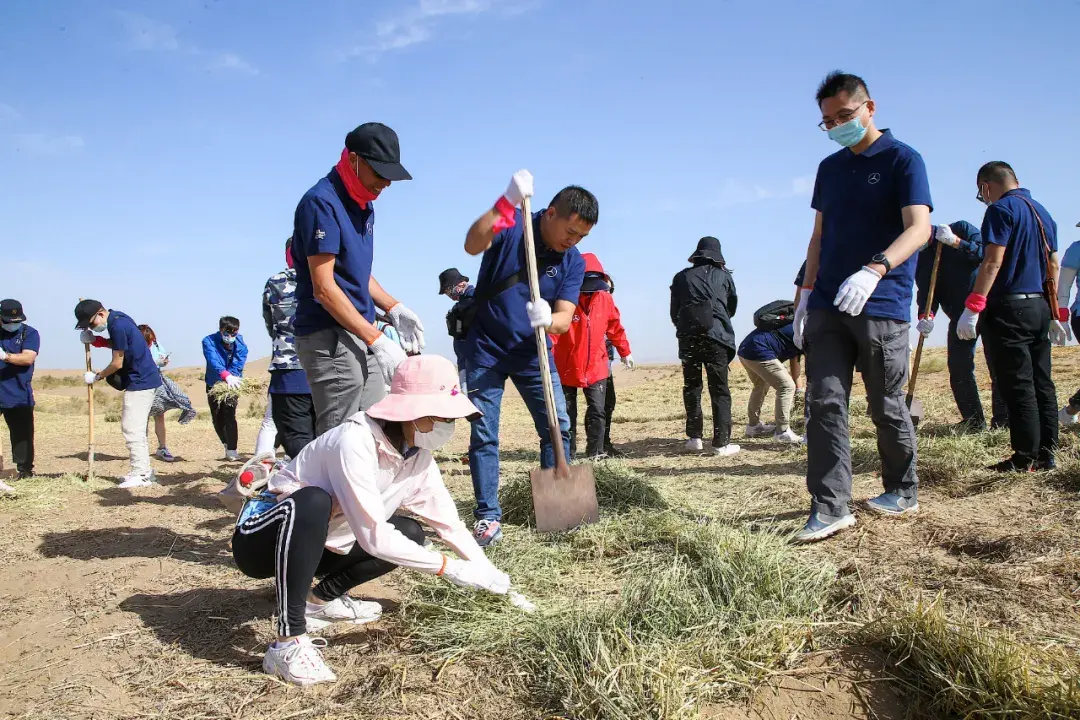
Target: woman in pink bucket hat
{"type": "Point", "coordinates": [330, 514]}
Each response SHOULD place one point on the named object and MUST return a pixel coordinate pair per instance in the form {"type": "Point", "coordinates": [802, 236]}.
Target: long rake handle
{"type": "Point", "coordinates": [929, 304]}
{"type": "Point", "coordinates": [561, 468]}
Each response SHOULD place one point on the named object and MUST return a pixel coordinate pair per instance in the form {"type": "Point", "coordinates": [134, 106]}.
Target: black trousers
{"type": "Point", "coordinates": [1016, 331]}
{"type": "Point", "coordinates": [20, 422]}
{"type": "Point", "coordinates": [287, 543]}
{"type": "Point", "coordinates": [1074, 401]}
{"type": "Point", "coordinates": [609, 412]}
{"type": "Point", "coordinates": [224, 416]}
{"type": "Point", "coordinates": [714, 358]}
{"type": "Point", "coordinates": [595, 417]}
{"type": "Point", "coordinates": [965, 390]}
{"type": "Point", "coordinates": [294, 416]}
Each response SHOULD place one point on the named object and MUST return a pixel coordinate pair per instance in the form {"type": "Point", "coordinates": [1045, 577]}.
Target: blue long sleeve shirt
{"type": "Point", "coordinates": [956, 274]}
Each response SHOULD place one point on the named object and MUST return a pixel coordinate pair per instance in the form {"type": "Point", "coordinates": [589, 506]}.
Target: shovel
{"type": "Point", "coordinates": [915, 406]}
{"type": "Point", "coordinates": [564, 497]}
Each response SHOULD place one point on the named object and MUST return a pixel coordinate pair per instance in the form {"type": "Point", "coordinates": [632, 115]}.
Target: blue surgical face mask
{"type": "Point", "coordinates": [11, 327]}
{"type": "Point", "coordinates": [228, 339]}
{"type": "Point", "coordinates": [850, 133]}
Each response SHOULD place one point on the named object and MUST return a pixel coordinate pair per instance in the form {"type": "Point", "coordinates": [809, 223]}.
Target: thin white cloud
{"type": "Point", "coordinates": [736, 192]}
{"type": "Point", "coordinates": [45, 145]}
{"type": "Point", "coordinates": [415, 24]}
{"type": "Point", "coordinates": [232, 61]}
{"type": "Point", "coordinates": [148, 35]}
{"type": "Point", "coordinates": [9, 114]}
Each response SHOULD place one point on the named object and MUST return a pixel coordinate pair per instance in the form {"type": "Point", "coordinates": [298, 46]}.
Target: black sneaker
{"type": "Point", "coordinates": [614, 452]}
{"type": "Point", "coordinates": [969, 427]}
{"type": "Point", "coordinates": [1046, 465]}
{"type": "Point", "coordinates": [1013, 465]}
{"type": "Point", "coordinates": [23, 475]}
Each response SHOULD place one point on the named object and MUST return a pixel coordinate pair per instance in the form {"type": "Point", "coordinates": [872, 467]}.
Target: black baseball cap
{"type": "Point", "coordinates": [378, 144]}
{"type": "Point", "coordinates": [11, 311]}
{"type": "Point", "coordinates": [449, 278]}
{"type": "Point", "coordinates": [85, 310]}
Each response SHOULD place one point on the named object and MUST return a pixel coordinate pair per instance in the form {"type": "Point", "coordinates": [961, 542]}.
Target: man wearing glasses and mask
{"type": "Point", "coordinates": [873, 214]}
{"type": "Point", "coordinates": [336, 294]}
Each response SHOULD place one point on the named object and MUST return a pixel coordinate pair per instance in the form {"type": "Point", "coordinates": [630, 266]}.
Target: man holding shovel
{"type": "Point", "coordinates": [961, 252]}
{"type": "Point", "coordinates": [501, 341]}
{"type": "Point", "coordinates": [873, 213]}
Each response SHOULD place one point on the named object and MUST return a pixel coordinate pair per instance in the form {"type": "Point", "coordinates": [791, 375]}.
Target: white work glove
{"type": "Point", "coordinates": [799, 323]}
{"type": "Point", "coordinates": [521, 187]}
{"type": "Point", "coordinates": [856, 290]}
{"type": "Point", "coordinates": [86, 337]}
{"type": "Point", "coordinates": [233, 381]}
{"type": "Point", "coordinates": [965, 327]}
{"type": "Point", "coordinates": [389, 355]}
{"type": "Point", "coordinates": [628, 362]}
{"type": "Point", "coordinates": [477, 575]}
{"type": "Point", "coordinates": [89, 377]}
{"type": "Point", "coordinates": [539, 313]}
{"type": "Point", "coordinates": [1058, 334]}
{"type": "Point", "coordinates": [409, 327]}
{"type": "Point", "coordinates": [3, 355]}
{"type": "Point", "coordinates": [944, 235]}
{"type": "Point", "coordinates": [925, 325]}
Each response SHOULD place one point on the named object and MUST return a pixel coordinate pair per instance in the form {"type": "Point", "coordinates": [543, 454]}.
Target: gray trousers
{"type": "Point", "coordinates": [834, 341]}
{"type": "Point", "coordinates": [338, 365]}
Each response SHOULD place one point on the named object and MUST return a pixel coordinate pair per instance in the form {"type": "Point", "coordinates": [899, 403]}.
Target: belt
{"type": "Point", "coordinates": [1022, 296]}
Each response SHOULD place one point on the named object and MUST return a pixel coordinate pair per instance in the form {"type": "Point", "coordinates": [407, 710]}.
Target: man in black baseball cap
{"type": "Point", "coordinates": [19, 346]}
{"type": "Point", "coordinates": [336, 295]}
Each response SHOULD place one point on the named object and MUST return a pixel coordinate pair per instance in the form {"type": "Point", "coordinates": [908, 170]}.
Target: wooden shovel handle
{"type": "Point", "coordinates": [562, 469]}
{"type": "Point", "coordinates": [926, 311]}
{"type": "Point", "coordinates": [90, 407]}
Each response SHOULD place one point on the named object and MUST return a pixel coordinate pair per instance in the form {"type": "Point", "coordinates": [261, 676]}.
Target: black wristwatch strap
{"type": "Point", "coordinates": [881, 259]}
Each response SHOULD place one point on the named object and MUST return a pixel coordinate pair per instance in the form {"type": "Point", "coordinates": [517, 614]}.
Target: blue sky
{"type": "Point", "coordinates": [152, 154]}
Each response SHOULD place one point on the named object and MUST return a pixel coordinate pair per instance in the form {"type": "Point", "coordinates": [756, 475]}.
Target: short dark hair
{"type": "Point", "coordinates": [839, 81]}
{"type": "Point", "coordinates": [576, 200]}
{"type": "Point", "coordinates": [996, 171]}
{"type": "Point", "coordinates": [229, 324]}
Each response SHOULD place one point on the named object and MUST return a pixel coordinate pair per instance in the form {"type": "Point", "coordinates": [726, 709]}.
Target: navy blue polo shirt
{"type": "Point", "coordinates": [15, 390]}
{"type": "Point", "coordinates": [765, 345]}
{"type": "Point", "coordinates": [860, 198]}
{"type": "Point", "coordinates": [500, 336]}
{"type": "Point", "coordinates": [289, 382]}
{"type": "Point", "coordinates": [139, 371]}
{"type": "Point", "coordinates": [329, 222]}
{"type": "Point", "coordinates": [1010, 223]}
{"type": "Point", "coordinates": [459, 345]}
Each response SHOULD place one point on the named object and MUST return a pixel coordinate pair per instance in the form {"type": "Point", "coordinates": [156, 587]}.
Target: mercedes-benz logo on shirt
{"type": "Point", "coordinates": [552, 271]}
{"type": "Point", "coordinates": [874, 178]}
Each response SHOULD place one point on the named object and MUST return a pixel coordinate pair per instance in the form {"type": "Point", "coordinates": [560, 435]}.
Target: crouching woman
{"type": "Point", "coordinates": [330, 514]}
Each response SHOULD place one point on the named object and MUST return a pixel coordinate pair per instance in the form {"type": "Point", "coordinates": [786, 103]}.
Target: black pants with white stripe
{"type": "Point", "coordinates": [287, 543]}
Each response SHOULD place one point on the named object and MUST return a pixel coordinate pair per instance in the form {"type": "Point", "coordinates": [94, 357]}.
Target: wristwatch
{"type": "Point", "coordinates": [880, 259]}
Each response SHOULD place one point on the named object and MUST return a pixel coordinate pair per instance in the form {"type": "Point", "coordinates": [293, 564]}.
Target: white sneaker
{"type": "Point", "coordinates": [759, 430]}
{"type": "Point", "coordinates": [726, 451]}
{"type": "Point", "coordinates": [1065, 417]}
{"type": "Point", "coordinates": [6, 489]}
{"type": "Point", "coordinates": [344, 609]}
{"type": "Point", "coordinates": [232, 455]}
{"type": "Point", "coordinates": [788, 436]}
{"type": "Point", "coordinates": [694, 445]}
{"type": "Point", "coordinates": [134, 481]}
{"type": "Point", "coordinates": [298, 662]}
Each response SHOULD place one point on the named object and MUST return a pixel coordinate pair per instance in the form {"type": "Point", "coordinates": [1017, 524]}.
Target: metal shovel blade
{"type": "Point", "coordinates": [916, 410]}
{"type": "Point", "coordinates": [564, 502]}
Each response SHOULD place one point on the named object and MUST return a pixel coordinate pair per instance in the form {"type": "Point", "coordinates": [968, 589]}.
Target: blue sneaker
{"type": "Point", "coordinates": [487, 532]}
{"type": "Point", "coordinates": [821, 526]}
{"type": "Point", "coordinates": [893, 504]}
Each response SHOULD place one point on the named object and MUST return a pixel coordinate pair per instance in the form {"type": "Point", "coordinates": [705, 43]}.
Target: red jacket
{"type": "Point", "coordinates": [581, 353]}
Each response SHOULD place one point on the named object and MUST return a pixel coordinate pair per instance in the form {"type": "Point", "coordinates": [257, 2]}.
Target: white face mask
{"type": "Point", "coordinates": [440, 435]}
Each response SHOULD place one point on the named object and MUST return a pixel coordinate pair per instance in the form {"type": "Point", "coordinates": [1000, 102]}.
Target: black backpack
{"type": "Point", "coordinates": [461, 316]}
{"type": "Point", "coordinates": [775, 315]}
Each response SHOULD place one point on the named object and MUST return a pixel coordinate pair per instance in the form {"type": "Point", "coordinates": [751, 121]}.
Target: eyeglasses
{"type": "Point", "coordinates": [841, 117]}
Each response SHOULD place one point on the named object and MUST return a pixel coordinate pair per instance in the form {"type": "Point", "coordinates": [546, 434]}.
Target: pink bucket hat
{"type": "Point", "coordinates": [424, 385]}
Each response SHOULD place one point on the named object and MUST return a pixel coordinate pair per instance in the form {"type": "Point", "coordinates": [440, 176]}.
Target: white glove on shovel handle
{"type": "Point", "coordinates": [521, 187]}
{"type": "Point", "coordinates": [539, 313]}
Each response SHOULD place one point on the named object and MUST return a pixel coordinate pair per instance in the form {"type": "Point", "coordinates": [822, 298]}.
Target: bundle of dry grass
{"type": "Point", "coordinates": [221, 392]}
